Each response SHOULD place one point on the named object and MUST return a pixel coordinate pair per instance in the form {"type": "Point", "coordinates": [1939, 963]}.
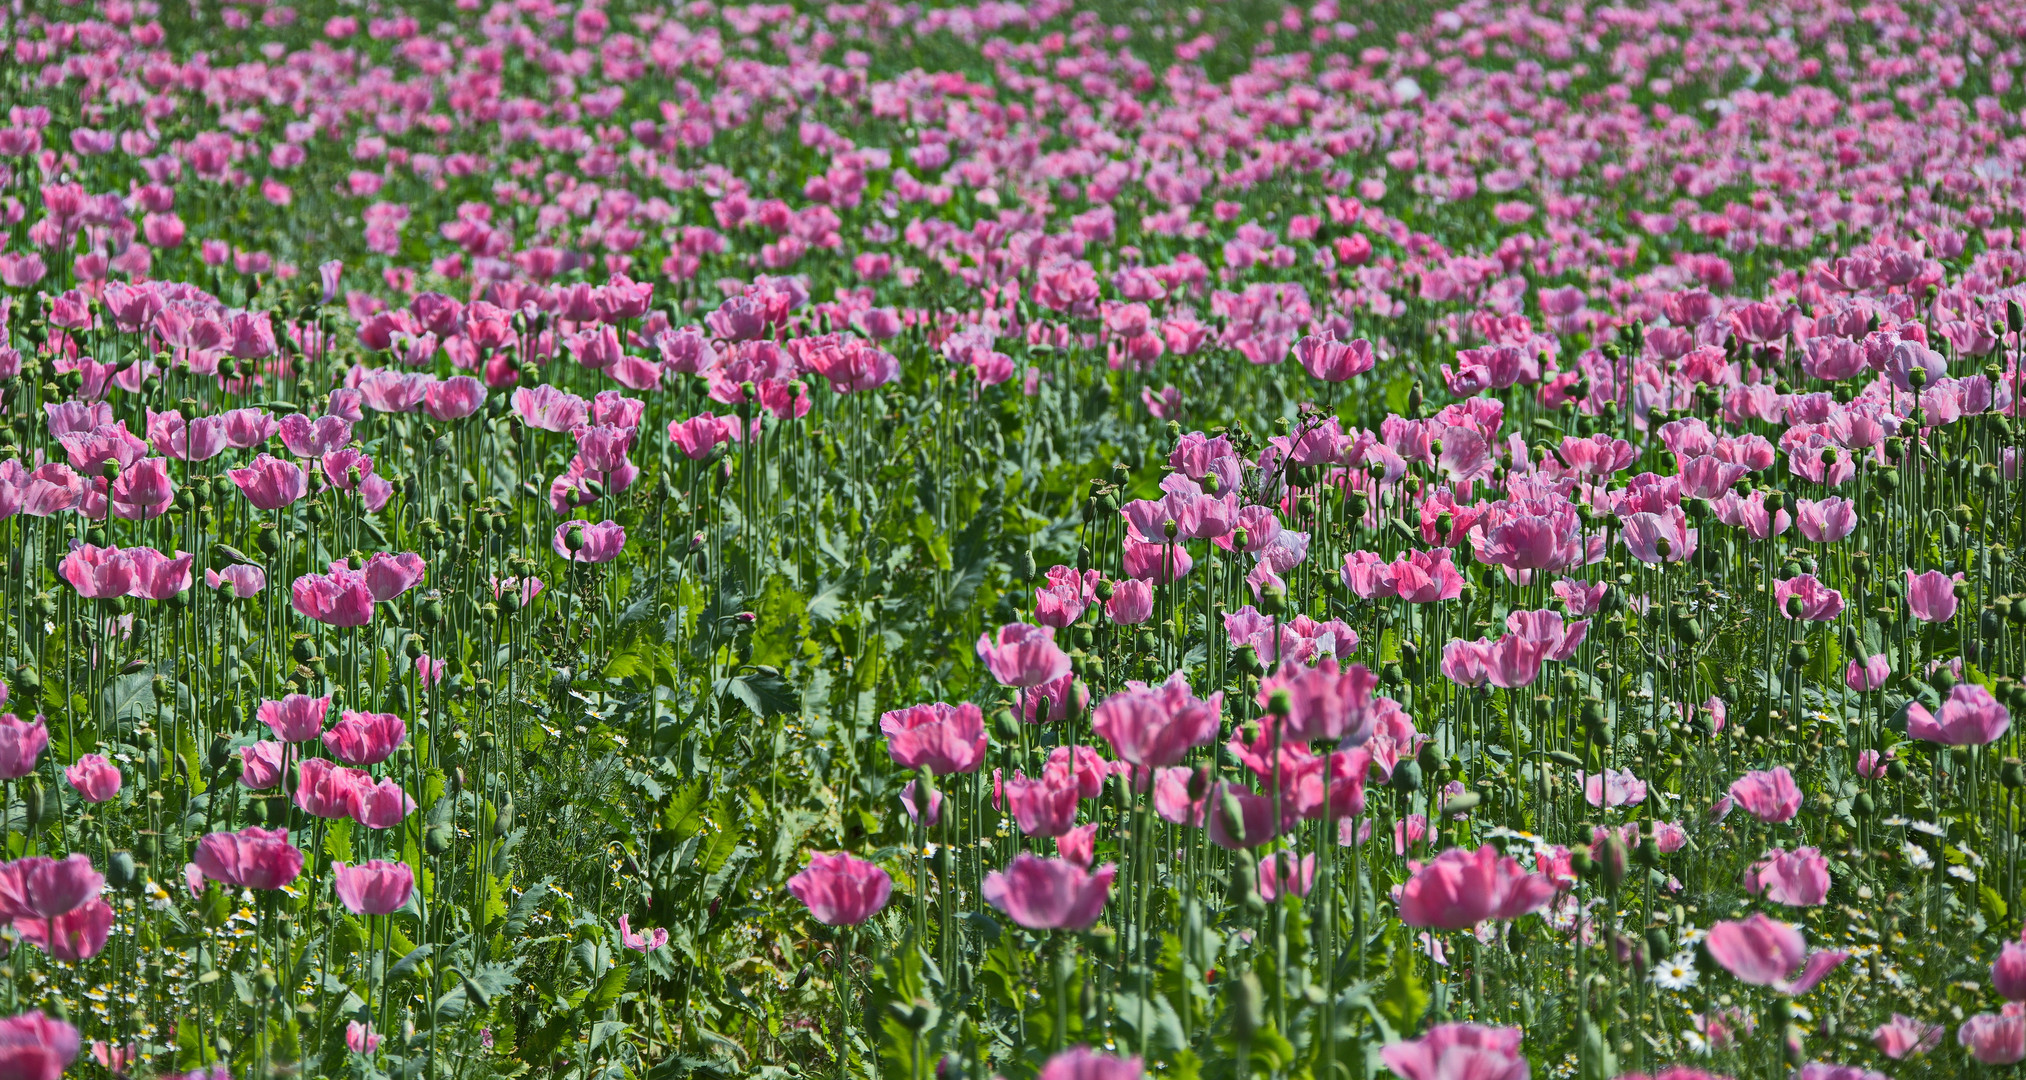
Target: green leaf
{"type": "Point", "coordinates": [189, 1044]}
{"type": "Point", "coordinates": [541, 1045]}
{"type": "Point", "coordinates": [1403, 999]}
{"type": "Point", "coordinates": [525, 907]}
{"type": "Point", "coordinates": [641, 658]}
{"type": "Point", "coordinates": [1162, 1025]}
{"type": "Point", "coordinates": [716, 849]}
{"type": "Point", "coordinates": [609, 988]}
{"type": "Point", "coordinates": [410, 962]}
{"type": "Point", "coordinates": [828, 603]}
{"type": "Point", "coordinates": [130, 697]}
{"type": "Point", "coordinates": [684, 814]}
{"type": "Point", "coordinates": [764, 691]}
{"type": "Point", "coordinates": [603, 1030]}
{"type": "Point", "coordinates": [338, 840]}
{"type": "Point", "coordinates": [1994, 905]}
{"type": "Point", "coordinates": [781, 623]}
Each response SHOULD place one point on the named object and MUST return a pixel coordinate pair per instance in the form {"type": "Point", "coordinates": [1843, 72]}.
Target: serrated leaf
{"type": "Point", "coordinates": [410, 962]}
{"type": "Point", "coordinates": [764, 691]}
{"type": "Point", "coordinates": [684, 814]}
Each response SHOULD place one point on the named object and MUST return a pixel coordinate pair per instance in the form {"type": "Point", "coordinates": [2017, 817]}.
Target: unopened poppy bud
{"type": "Point", "coordinates": [1234, 814]}
{"type": "Point", "coordinates": [1248, 1008]}
{"type": "Point", "coordinates": [2011, 773]}
{"type": "Point", "coordinates": [2015, 316]}
{"type": "Point", "coordinates": [1199, 783]}
{"type": "Point", "coordinates": [1004, 724]}
{"type": "Point", "coordinates": [32, 798]}
{"type": "Point", "coordinates": [1614, 858]}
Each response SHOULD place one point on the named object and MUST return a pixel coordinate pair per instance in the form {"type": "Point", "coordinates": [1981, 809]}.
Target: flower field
{"type": "Point", "coordinates": [607, 539]}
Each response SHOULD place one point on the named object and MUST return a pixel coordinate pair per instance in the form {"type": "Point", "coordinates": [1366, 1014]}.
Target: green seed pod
{"type": "Point", "coordinates": [121, 873]}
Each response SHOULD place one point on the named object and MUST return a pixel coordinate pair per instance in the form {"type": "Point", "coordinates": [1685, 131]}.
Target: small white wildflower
{"type": "Point", "coordinates": [1677, 973]}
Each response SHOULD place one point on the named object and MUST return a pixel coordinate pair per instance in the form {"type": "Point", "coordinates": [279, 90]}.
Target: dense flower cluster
{"type": "Point", "coordinates": [586, 537]}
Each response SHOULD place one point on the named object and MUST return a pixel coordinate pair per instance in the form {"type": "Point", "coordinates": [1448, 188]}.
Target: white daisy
{"type": "Point", "coordinates": [1676, 973]}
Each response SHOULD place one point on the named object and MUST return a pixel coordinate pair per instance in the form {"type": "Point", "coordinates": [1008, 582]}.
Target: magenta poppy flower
{"type": "Point", "coordinates": [1049, 894]}
{"type": "Point", "coordinates": [375, 887]}
{"type": "Point", "coordinates": [1460, 889]}
{"type": "Point", "coordinates": [584, 542]}
{"type": "Point", "coordinates": [1021, 655]}
{"type": "Point", "coordinates": [1970, 717]}
{"type": "Point", "coordinates": [946, 739]}
{"type": "Point", "coordinates": [1763, 951]}
{"type": "Point", "coordinates": [252, 858]}
{"type": "Point", "coordinates": [841, 889]}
